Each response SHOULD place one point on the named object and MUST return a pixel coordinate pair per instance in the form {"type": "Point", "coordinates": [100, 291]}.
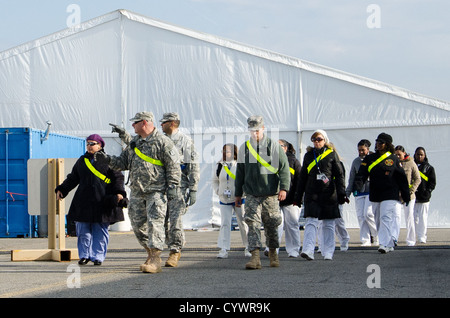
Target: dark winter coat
{"type": "Point", "coordinates": [321, 199]}
{"type": "Point", "coordinates": [94, 200]}
{"type": "Point", "coordinates": [296, 166]}
{"type": "Point", "coordinates": [423, 193]}
{"type": "Point", "coordinates": [387, 179]}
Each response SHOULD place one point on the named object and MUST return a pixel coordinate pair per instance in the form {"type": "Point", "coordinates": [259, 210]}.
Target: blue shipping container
{"type": "Point", "coordinates": [17, 145]}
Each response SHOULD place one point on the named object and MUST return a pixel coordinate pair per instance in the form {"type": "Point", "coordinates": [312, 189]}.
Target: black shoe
{"type": "Point", "coordinates": [83, 261]}
{"type": "Point", "coordinates": [97, 263]}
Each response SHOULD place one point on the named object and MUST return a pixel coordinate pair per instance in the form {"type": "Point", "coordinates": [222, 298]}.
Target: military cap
{"type": "Point", "coordinates": [148, 116]}
{"type": "Point", "coordinates": [255, 122]}
{"type": "Point", "coordinates": [169, 117]}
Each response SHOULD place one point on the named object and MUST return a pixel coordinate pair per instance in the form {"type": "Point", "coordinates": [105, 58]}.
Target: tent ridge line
{"type": "Point", "coordinates": [61, 34]}
{"type": "Point", "coordinates": [291, 61]}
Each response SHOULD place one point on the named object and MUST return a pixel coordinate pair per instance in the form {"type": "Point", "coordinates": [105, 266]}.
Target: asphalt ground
{"type": "Point", "coordinates": [422, 271]}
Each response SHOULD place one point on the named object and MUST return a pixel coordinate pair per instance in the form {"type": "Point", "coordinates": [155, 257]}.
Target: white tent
{"type": "Point", "coordinates": [108, 68]}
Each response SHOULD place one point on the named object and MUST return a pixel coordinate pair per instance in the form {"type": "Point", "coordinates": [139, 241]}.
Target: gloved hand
{"type": "Point", "coordinates": [123, 203]}
{"type": "Point", "coordinates": [342, 199]}
{"type": "Point", "coordinates": [117, 128]}
{"type": "Point", "coordinates": [123, 134]}
{"type": "Point", "coordinates": [102, 157]}
{"type": "Point", "coordinates": [192, 197]}
{"type": "Point", "coordinates": [171, 193]}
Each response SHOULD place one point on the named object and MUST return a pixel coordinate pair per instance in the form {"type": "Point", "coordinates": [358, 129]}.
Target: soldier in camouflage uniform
{"type": "Point", "coordinates": [263, 175]}
{"type": "Point", "coordinates": [154, 166]}
{"type": "Point", "coordinates": [190, 175]}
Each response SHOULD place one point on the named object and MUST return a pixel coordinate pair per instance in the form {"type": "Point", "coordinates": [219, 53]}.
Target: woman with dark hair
{"type": "Point", "coordinates": [97, 203]}
{"type": "Point", "coordinates": [387, 181]}
{"type": "Point", "coordinates": [367, 225]}
{"type": "Point", "coordinates": [290, 212]}
{"type": "Point", "coordinates": [223, 185]}
{"type": "Point", "coordinates": [323, 186]}
{"type": "Point", "coordinates": [423, 193]}
{"type": "Point", "coordinates": [413, 176]}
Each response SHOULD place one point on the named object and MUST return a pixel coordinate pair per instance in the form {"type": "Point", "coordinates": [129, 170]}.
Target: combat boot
{"type": "Point", "coordinates": [148, 259]}
{"type": "Point", "coordinates": [273, 257]}
{"type": "Point", "coordinates": [255, 261]}
{"type": "Point", "coordinates": [153, 262]}
{"type": "Point", "coordinates": [172, 261]}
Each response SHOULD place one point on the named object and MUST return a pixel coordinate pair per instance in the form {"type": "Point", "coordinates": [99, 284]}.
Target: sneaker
{"type": "Point", "coordinates": [367, 243]}
{"type": "Point", "coordinates": [385, 249]}
{"type": "Point", "coordinates": [344, 246]}
{"type": "Point", "coordinates": [308, 256]}
{"type": "Point", "coordinates": [328, 257]}
{"type": "Point", "coordinates": [247, 253]}
{"type": "Point", "coordinates": [222, 254]}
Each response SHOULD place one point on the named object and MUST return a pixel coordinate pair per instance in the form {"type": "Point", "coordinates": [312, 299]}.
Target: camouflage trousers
{"type": "Point", "coordinates": [147, 213]}
{"type": "Point", "coordinates": [266, 209]}
{"type": "Point", "coordinates": [173, 224]}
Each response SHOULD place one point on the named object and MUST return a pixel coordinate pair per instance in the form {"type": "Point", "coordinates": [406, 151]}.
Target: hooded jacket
{"type": "Point", "coordinates": [94, 200]}
{"type": "Point", "coordinates": [423, 193]}
{"type": "Point", "coordinates": [321, 198]}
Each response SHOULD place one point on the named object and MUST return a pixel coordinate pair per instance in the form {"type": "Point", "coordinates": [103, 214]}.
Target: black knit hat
{"type": "Point", "coordinates": [385, 138]}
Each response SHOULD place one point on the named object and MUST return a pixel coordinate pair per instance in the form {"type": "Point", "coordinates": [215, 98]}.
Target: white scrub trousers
{"type": "Point", "coordinates": [409, 222]}
{"type": "Point", "coordinates": [226, 213]}
{"type": "Point", "coordinates": [386, 211]}
{"type": "Point", "coordinates": [421, 219]}
{"type": "Point", "coordinates": [328, 242]}
{"type": "Point", "coordinates": [291, 215]}
{"type": "Point", "coordinates": [366, 219]}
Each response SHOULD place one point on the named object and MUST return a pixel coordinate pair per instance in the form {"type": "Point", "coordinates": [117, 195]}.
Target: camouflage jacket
{"type": "Point", "coordinates": [190, 169]}
{"type": "Point", "coordinates": [147, 177]}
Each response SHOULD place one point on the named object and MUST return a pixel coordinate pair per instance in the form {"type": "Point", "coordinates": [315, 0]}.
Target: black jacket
{"type": "Point", "coordinates": [423, 193]}
{"type": "Point", "coordinates": [293, 164]}
{"type": "Point", "coordinates": [321, 198]}
{"type": "Point", "coordinates": [94, 200]}
{"type": "Point", "coordinates": [387, 179]}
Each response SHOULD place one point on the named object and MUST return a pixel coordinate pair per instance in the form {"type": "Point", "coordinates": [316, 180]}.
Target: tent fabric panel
{"type": "Point", "coordinates": [228, 86]}
{"type": "Point", "coordinates": [15, 77]}
{"type": "Point", "coordinates": [342, 104]}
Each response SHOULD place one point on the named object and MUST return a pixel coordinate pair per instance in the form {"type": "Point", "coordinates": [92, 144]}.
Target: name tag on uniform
{"type": "Point", "coordinates": [323, 177]}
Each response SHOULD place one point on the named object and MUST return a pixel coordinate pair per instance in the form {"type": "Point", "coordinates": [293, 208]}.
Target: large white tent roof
{"type": "Point", "coordinates": [108, 68]}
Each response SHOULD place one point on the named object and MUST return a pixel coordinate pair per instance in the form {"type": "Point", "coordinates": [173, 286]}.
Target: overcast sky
{"type": "Point", "coordinates": [405, 43]}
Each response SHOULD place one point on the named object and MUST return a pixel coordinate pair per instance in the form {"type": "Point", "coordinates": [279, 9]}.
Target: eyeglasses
{"type": "Point", "coordinates": [137, 122]}
{"type": "Point", "coordinates": [318, 139]}
{"type": "Point", "coordinates": [91, 143]}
